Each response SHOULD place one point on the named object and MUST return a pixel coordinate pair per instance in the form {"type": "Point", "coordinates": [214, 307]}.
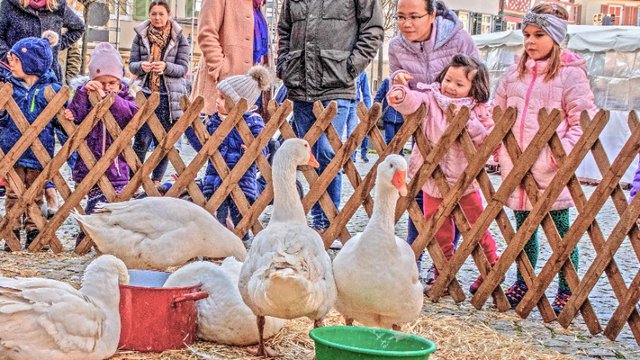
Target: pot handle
{"type": "Point", "coordinates": [190, 297]}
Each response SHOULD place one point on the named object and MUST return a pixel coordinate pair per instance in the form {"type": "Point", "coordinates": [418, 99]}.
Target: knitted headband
{"type": "Point", "coordinates": [555, 27]}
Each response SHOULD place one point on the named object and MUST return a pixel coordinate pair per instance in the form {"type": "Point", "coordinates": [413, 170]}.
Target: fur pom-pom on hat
{"type": "Point", "coordinates": [259, 78]}
{"type": "Point", "coordinates": [52, 37]}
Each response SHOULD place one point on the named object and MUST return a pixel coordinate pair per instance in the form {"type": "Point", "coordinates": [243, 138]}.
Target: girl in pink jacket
{"type": "Point", "coordinates": [551, 78]}
{"type": "Point", "coordinates": [464, 82]}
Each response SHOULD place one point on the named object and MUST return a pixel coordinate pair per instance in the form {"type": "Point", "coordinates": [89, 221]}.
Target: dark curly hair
{"type": "Point", "coordinates": [479, 72]}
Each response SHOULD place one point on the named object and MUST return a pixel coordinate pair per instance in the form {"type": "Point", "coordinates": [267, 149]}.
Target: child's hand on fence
{"type": "Point", "coordinates": [68, 115]}
{"type": "Point", "coordinates": [159, 66]}
{"type": "Point", "coordinates": [146, 66]}
{"type": "Point", "coordinates": [95, 86]}
{"type": "Point", "coordinates": [243, 147]}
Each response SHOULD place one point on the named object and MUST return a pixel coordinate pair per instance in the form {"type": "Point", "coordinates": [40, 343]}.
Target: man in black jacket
{"type": "Point", "coordinates": [324, 45]}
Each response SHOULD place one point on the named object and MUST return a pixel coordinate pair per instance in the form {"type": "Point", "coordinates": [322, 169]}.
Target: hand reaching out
{"type": "Point", "coordinates": [402, 79]}
{"type": "Point", "coordinates": [396, 96]}
{"type": "Point", "coordinates": [95, 86]}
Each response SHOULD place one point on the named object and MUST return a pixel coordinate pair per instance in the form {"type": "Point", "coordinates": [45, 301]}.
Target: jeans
{"type": "Point", "coordinates": [303, 119]}
{"type": "Point", "coordinates": [390, 130]}
{"type": "Point", "coordinates": [352, 122]}
{"type": "Point", "coordinates": [143, 139]}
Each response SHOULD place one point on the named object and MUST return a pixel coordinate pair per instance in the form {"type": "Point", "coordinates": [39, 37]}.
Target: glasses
{"type": "Point", "coordinates": [412, 18]}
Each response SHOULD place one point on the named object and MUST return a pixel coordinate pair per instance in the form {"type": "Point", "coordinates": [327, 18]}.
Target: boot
{"type": "Point", "coordinates": [6, 245]}
{"type": "Point", "coordinates": [30, 236]}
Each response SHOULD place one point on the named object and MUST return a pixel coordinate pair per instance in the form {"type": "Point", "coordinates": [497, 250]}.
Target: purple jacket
{"type": "Point", "coordinates": [425, 60]}
{"type": "Point", "coordinates": [123, 109]}
{"type": "Point", "coordinates": [636, 183]}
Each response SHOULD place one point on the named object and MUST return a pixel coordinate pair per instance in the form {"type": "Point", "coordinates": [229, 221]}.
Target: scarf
{"type": "Point", "coordinates": [444, 101]}
{"type": "Point", "coordinates": [260, 33]}
{"type": "Point", "coordinates": [158, 38]}
{"type": "Point", "coordinates": [37, 4]}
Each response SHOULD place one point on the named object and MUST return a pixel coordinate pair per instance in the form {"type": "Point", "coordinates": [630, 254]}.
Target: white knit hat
{"type": "Point", "coordinates": [249, 86]}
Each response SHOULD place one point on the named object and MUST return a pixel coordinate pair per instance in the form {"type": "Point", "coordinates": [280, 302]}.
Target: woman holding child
{"type": "Point", "coordinates": [160, 57]}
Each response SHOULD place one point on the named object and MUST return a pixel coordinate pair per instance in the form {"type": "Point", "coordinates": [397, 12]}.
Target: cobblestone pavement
{"type": "Point", "coordinates": [574, 341]}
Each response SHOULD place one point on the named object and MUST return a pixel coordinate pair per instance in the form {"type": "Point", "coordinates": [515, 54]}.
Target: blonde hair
{"type": "Point", "coordinates": [51, 4]}
{"type": "Point", "coordinates": [554, 56]}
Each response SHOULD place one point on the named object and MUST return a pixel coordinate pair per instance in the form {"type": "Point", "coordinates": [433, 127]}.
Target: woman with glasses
{"type": "Point", "coordinates": [430, 35]}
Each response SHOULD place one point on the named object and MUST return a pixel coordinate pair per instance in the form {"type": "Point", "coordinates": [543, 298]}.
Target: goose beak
{"type": "Point", "coordinates": [312, 161]}
{"type": "Point", "coordinates": [400, 181]}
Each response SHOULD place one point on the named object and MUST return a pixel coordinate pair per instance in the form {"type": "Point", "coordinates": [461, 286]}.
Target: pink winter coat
{"type": "Point", "coordinates": [570, 92]}
{"type": "Point", "coordinates": [435, 123]}
{"type": "Point", "coordinates": [225, 37]}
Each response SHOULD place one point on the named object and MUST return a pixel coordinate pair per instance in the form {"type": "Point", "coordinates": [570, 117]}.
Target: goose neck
{"type": "Point", "coordinates": [384, 204]}
{"type": "Point", "coordinates": [287, 206]}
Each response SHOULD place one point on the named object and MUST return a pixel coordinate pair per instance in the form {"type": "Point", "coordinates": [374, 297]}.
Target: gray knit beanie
{"type": "Point", "coordinates": [250, 86]}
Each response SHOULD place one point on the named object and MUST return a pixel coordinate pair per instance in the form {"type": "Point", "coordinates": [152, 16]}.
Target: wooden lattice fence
{"type": "Point", "coordinates": [520, 176]}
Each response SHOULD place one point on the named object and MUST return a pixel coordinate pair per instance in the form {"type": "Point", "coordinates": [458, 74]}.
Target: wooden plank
{"type": "Point", "coordinates": [29, 196]}
{"type": "Point", "coordinates": [627, 305]}
{"type": "Point", "coordinates": [548, 225]}
{"type": "Point", "coordinates": [99, 169]}
{"type": "Point", "coordinates": [278, 117]}
{"type": "Point", "coordinates": [584, 220]}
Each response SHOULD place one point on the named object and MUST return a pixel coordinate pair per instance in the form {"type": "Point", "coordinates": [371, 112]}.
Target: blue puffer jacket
{"type": "Point", "coordinates": [389, 114]}
{"type": "Point", "coordinates": [32, 102]}
{"type": "Point", "coordinates": [231, 151]}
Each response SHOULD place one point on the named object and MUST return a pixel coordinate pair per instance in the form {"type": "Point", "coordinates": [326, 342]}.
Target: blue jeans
{"type": "Point", "coordinates": [352, 122]}
{"type": "Point", "coordinates": [303, 119]}
{"type": "Point", "coordinates": [144, 138]}
{"type": "Point", "coordinates": [390, 130]}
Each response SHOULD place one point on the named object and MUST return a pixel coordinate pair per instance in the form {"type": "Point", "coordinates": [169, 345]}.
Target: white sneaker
{"type": "Point", "coordinates": [336, 245]}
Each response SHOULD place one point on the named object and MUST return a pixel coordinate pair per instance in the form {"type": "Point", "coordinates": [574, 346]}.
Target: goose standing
{"type": "Point", "coordinates": [288, 273]}
{"type": "Point", "coordinates": [222, 317]}
{"type": "Point", "coordinates": [375, 272]}
{"type": "Point", "coordinates": [48, 319]}
{"type": "Point", "coordinates": [159, 232]}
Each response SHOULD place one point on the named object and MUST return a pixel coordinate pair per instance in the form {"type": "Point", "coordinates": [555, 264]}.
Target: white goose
{"type": "Point", "coordinates": [375, 272]}
{"type": "Point", "coordinates": [222, 317]}
{"type": "Point", "coordinates": [288, 273]}
{"type": "Point", "coordinates": [48, 319]}
{"type": "Point", "coordinates": [159, 232]}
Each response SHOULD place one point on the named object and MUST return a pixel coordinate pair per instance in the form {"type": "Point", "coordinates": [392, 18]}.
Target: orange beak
{"type": "Point", "coordinates": [312, 161]}
{"type": "Point", "coordinates": [400, 181]}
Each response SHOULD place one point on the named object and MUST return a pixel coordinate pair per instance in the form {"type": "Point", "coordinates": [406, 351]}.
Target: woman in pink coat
{"type": "Point", "coordinates": [464, 82]}
{"type": "Point", "coordinates": [232, 36]}
{"type": "Point", "coordinates": [550, 78]}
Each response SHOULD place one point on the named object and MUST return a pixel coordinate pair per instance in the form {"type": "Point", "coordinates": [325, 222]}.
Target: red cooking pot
{"type": "Point", "coordinates": [154, 318]}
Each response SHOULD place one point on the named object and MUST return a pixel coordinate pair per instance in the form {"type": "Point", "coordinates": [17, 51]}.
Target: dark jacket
{"type": "Point", "coordinates": [17, 23]}
{"type": "Point", "coordinates": [31, 102]}
{"type": "Point", "coordinates": [123, 109]}
{"type": "Point", "coordinates": [325, 44]}
{"type": "Point", "coordinates": [389, 114]}
{"type": "Point", "coordinates": [231, 151]}
{"type": "Point", "coordinates": [176, 55]}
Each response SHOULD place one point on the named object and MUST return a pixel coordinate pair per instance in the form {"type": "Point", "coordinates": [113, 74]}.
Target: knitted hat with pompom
{"type": "Point", "coordinates": [35, 53]}
{"type": "Point", "coordinates": [250, 86]}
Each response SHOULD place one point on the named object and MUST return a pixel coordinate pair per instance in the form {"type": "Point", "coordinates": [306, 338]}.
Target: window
{"type": "Point", "coordinates": [486, 24]}
{"type": "Point", "coordinates": [123, 5]}
{"type": "Point", "coordinates": [189, 8]}
{"type": "Point", "coordinates": [512, 26]}
{"type": "Point", "coordinates": [463, 16]}
{"type": "Point", "coordinates": [617, 11]}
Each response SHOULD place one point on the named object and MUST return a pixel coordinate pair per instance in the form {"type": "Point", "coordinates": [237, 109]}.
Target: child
{"type": "Point", "coordinates": [551, 78]}
{"type": "Point", "coordinates": [106, 73]}
{"type": "Point", "coordinates": [30, 62]}
{"type": "Point", "coordinates": [464, 82]}
{"type": "Point", "coordinates": [231, 89]}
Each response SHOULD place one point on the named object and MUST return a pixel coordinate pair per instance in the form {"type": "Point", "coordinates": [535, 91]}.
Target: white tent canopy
{"type": "Point", "coordinates": [613, 60]}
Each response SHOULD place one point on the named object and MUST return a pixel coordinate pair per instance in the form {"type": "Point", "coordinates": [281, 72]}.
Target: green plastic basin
{"type": "Point", "coordinates": [354, 342]}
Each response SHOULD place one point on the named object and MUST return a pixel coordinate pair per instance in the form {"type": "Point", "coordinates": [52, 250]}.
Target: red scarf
{"type": "Point", "coordinates": [37, 4]}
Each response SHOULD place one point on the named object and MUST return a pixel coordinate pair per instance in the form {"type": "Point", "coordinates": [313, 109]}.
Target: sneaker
{"type": "Point", "coordinates": [562, 296]}
{"type": "Point", "coordinates": [476, 284]}
{"type": "Point", "coordinates": [365, 159]}
{"type": "Point", "coordinates": [3, 190]}
{"type": "Point", "coordinates": [336, 245]}
{"type": "Point", "coordinates": [432, 276]}
{"type": "Point", "coordinates": [516, 292]}
{"type": "Point", "coordinates": [31, 235]}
